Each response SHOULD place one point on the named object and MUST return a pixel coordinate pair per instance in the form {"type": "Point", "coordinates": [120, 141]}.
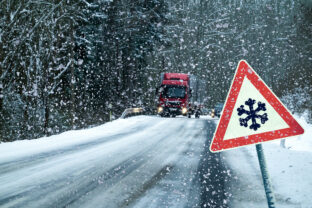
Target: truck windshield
{"type": "Point", "coordinates": [173, 92]}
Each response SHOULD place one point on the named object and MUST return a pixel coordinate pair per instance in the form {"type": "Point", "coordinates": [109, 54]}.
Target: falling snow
{"type": "Point", "coordinates": [70, 65]}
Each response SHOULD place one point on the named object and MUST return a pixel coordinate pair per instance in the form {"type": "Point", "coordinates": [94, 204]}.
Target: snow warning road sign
{"type": "Point", "coordinates": [252, 114]}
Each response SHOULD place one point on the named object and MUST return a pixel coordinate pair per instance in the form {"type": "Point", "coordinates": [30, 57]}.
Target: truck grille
{"type": "Point", "coordinates": [173, 103]}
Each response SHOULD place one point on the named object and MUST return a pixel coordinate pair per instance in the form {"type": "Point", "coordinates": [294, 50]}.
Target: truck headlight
{"type": "Point", "coordinates": [184, 110]}
{"type": "Point", "coordinates": [160, 109]}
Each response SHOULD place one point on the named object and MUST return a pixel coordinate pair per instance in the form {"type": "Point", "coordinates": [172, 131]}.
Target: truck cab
{"type": "Point", "coordinates": [174, 94]}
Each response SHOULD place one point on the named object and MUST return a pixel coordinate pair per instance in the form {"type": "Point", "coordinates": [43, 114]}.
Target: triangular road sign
{"type": "Point", "coordinates": [252, 114]}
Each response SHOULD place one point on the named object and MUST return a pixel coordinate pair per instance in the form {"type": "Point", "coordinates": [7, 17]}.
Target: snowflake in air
{"type": "Point", "coordinates": [252, 114]}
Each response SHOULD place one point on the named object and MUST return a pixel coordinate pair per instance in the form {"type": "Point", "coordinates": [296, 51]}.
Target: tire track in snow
{"type": "Point", "coordinates": [164, 145]}
{"type": "Point", "coordinates": [113, 173]}
{"type": "Point", "coordinates": [175, 187]}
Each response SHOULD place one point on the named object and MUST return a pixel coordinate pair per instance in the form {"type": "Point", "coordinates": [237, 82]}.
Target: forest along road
{"type": "Point", "coordinates": [143, 161]}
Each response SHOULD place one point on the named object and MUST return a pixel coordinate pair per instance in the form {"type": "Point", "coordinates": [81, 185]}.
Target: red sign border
{"type": "Point", "coordinates": [244, 70]}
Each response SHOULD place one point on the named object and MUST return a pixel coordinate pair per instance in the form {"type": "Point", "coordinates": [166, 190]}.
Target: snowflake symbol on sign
{"type": "Point", "coordinates": [252, 114]}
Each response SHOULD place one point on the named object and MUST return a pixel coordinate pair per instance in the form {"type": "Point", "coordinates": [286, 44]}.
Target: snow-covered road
{"type": "Point", "coordinates": [137, 162]}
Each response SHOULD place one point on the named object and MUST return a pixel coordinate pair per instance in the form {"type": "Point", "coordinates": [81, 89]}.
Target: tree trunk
{"type": "Point", "coordinates": [1, 98]}
{"type": "Point", "coordinates": [46, 116]}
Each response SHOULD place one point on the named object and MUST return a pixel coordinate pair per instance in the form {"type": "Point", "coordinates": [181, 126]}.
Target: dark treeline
{"type": "Point", "coordinates": [63, 62]}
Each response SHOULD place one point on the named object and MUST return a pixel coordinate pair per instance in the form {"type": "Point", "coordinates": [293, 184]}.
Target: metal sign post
{"type": "Point", "coordinates": [265, 177]}
{"type": "Point", "coordinates": [253, 114]}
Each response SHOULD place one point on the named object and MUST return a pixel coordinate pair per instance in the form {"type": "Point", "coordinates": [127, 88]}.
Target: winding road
{"type": "Point", "coordinates": [149, 162]}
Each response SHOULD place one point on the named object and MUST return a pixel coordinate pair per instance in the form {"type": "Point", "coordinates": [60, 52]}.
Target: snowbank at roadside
{"type": "Point", "coordinates": [19, 149]}
{"type": "Point", "coordinates": [290, 169]}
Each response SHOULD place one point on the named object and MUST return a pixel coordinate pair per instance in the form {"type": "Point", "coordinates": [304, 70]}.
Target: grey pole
{"type": "Point", "coordinates": [265, 177]}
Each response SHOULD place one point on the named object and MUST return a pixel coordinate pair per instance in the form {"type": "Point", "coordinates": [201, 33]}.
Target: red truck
{"type": "Point", "coordinates": [174, 94]}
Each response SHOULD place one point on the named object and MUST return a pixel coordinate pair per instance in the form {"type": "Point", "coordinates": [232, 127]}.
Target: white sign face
{"type": "Point", "coordinates": [274, 120]}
